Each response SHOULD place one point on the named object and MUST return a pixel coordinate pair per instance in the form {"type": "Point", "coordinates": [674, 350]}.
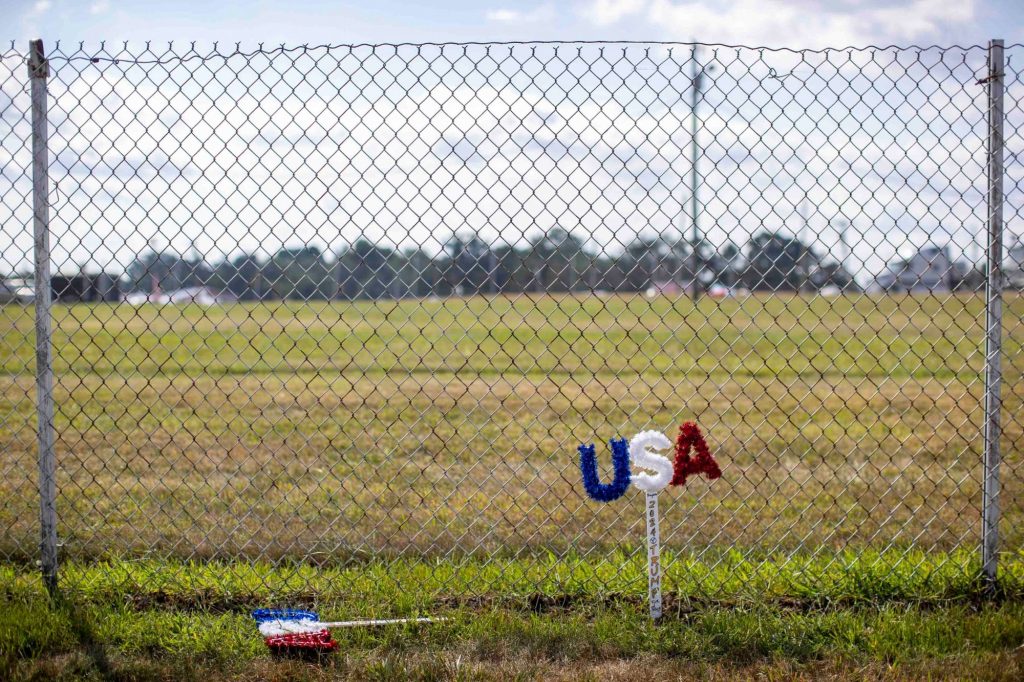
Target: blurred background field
{"type": "Point", "coordinates": [343, 432]}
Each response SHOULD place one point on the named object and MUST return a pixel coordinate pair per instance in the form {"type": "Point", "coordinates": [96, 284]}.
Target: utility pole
{"type": "Point", "coordinates": [844, 225]}
{"type": "Point", "coordinates": [492, 270]}
{"type": "Point", "coordinates": [696, 83]}
{"type": "Point", "coordinates": [805, 247]}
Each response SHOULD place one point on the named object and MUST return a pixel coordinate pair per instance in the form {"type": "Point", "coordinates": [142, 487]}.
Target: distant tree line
{"type": "Point", "coordinates": [556, 261]}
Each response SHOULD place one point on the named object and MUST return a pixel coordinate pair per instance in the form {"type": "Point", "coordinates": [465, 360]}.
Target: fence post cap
{"type": "Point", "coordinates": [38, 66]}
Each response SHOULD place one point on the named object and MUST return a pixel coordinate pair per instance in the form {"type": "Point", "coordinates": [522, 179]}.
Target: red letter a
{"type": "Point", "coordinates": [684, 465]}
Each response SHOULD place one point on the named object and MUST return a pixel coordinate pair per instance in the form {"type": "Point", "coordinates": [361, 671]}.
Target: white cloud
{"type": "Point", "coordinates": [99, 7]}
{"type": "Point", "coordinates": [508, 15]}
{"type": "Point", "coordinates": [922, 18]}
{"type": "Point", "coordinates": [607, 12]}
{"type": "Point", "coordinates": [791, 23]}
{"type": "Point", "coordinates": [515, 16]}
{"type": "Point", "coordinates": [227, 165]}
{"type": "Point", "coordinates": [29, 21]}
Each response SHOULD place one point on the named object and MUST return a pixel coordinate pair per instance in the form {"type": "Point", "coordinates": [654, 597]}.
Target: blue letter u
{"type": "Point", "coordinates": [620, 460]}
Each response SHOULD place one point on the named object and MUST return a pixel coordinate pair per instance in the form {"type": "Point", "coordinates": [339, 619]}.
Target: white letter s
{"type": "Point", "coordinates": [640, 447]}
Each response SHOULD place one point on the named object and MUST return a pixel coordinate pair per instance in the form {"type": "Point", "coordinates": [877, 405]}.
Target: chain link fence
{"type": "Point", "coordinates": [353, 308]}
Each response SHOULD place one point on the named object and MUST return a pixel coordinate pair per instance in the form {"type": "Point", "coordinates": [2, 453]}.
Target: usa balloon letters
{"type": "Point", "coordinates": [641, 452]}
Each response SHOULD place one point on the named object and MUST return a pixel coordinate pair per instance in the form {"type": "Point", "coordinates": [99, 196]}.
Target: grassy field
{"type": "Point", "coordinates": [954, 643]}
{"type": "Point", "coordinates": [344, 430]}
{"type": "Point", "coordinates": [869, 618]}
{"type": "Point", "coordinates": [428, 448]}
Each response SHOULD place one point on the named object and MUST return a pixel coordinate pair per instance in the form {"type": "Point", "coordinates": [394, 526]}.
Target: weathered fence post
{"type": "Point", "coordinates": [993, 312]}
{"type": "Point", "coordinates": [39, 71]}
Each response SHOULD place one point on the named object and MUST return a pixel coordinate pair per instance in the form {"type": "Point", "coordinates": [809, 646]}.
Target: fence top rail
{"type": "Point", "coordinates": [149, 52]}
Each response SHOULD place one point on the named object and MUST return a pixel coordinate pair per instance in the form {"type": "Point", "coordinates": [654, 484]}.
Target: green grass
{"type": "Point", "coordinates": [401, 587]}
{"type": "Point", "coordinates": [159, 644]}
{"type": "Point", "coordinates": [160, 620]}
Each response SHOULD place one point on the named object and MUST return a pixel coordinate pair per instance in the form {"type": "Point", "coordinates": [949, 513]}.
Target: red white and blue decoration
{"type": "Point", "coordinates": [293, 631]}
{"type": "Point", "coordinates": [638, 452]}
{"type": "Point", "coordinates": [641, 452]}
{"type": "Point", "coordinates": [298, 631]}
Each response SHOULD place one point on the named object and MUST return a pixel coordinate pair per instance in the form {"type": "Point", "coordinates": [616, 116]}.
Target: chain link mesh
{"type": "Point", "coordinates": [19, 515]}
{"type": "Point", "coordinates": [342, 305]}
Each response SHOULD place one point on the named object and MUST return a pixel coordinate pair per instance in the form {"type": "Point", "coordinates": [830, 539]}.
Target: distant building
{"type": "Point", "coordinates": [199, 296]}
{"type": "Point", "coordinates": [196, 295]}
{"type": "Point", "coordinates": [84, 288]}
{"type": "Point", "coordinates": [64, 288]}
{"type": "Point", "coordinates": [929, 270]}
{"type": "Point", "coordinates": [720, 291]}
{"type": "Point", "coordinates": [667, 288]}
{"type": "Point", "coordinates": [830, 276]}
{"type": "Point", "coordinates": [141, 298]}
{"type": "Point", "coordinates": [17, 290]}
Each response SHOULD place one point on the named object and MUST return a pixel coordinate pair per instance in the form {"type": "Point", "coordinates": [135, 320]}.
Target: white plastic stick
{"type": "Point", "coordinates": [389, 621]}
{"type": "Point", "coordinates": [653, 556]}
{"type": "Point", "coordinates": [272, 628]}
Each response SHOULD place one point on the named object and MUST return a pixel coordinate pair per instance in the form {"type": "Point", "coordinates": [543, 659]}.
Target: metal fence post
{"type": "Point", "coordinates": [993, 312]}
{"type": "Point", "coordinates": [39, 71]}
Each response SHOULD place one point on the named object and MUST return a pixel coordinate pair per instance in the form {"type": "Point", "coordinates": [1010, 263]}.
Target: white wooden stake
{"type": "Point", "coordinates": [653, 556]}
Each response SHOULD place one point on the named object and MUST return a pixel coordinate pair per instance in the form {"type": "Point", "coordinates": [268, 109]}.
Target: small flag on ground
{"type": "Point", "coordinates": [299, 630]}
{"type": "Point", "coordinates": [293, 631]}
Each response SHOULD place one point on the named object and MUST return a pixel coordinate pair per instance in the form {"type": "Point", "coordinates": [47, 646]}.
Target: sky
{"type": "Point", "coordinates": [789, 23]}
{"type": "Point", "coordinates": [409, 145]}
